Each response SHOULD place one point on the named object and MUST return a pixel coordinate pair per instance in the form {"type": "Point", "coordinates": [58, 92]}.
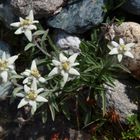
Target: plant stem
{"type": "Point", "coordinates": [42, 50]}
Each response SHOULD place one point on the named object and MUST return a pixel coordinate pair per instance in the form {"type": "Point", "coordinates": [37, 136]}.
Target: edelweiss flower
{"type": "Point", "coordinates": [65, 66]}
{"type": "Point", "coordinates": [26, 25]}
{"type": "Point", "coordinates": [31, 97]}
{"type": "Point", "coordinates": [32, 73]}
{"type": "Point", "coordinates": [121, 49]}
{"type": "Point", "coordinates": [7, 66]}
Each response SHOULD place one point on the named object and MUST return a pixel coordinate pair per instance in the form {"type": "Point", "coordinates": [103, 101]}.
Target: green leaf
{"type": "Point", "coordinates": [65, 110]}
{"type": "Point", "coordinates": [103, 102]}
{"type": "Point", "coordinates": [28, 46]}
{"type": "Point", "coordinates": [52, 111]}
{"type": "Point", "coordinates": [17, 90]}
{"type": "Point", "coordinates": [44, 117]}
{"type": "Point", "coordinates": [44, 37]}
{"type": "Point", "coordinates": [16, 76]}
{"type": "Point", "coordinates": [39, 32]}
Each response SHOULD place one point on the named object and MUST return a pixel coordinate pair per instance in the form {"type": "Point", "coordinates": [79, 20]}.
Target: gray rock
{"type": "Point", "coordinates": [123, 98]}
{"type": "Point", "coordinates": [42, 8]}
{"type": "Point", "coordinates": [5, 88]}
{"type": "Point", "coordinates": [78, 16]}
{"type": "Point", "coordinates": [68, 43]}
{"type": "Point", "coordinates": [132, 6]}
{"type": "Point", "coordinates": [6, 14]}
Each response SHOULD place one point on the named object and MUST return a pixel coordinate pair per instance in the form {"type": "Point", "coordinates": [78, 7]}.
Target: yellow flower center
{"type": "Point", "coordinates": [31, 95]}
{"type": "Point", "coordinates": [122, 48]}
{"type": "Point", "coordinates": [3, 64]}
{"type": "Point", "coordinates": [35, 73]}
{"type": "Point", "coordinates": [66, 66]}
{"type": "Point", "coordinates": [26, 22]}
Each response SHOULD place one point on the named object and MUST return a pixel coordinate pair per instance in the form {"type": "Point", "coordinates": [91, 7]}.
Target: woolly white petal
{"type": "Point", "coordinates": [62, 58]}
{"type": "Point", "coordinates": [11, 67]}
{"type": "Point", "coordinates": [35, 21]}
{"type": "Point", "coordinates": [22, 103]}
{"type": "Point", "coordinates": [26, 89]}
{"type": "Point", "coordinates": [73, 71]}
{"type": "Point", "coordinates": [74, 64]}
{"type": "Point", "coordinates": [129, 54]}
{"type": "Point", "coordinates": [129, 45]}
{"type": "Point", "coordinates": [42, 80]}
{"type": "Point", "coordinates": [121, 41]}
{"type": "Point", "coordinates": [33, 105]}
{"type": "Point", "coordinates": [28, 34]}
{"type": "Point", "coordinates": [20, 95]}
{"type": "Point", "coordinates": [73, 58]}
{"type": "Point", "coordinates": [34, 84]}
{"type": "Point", "coordinates": [113, 51]}
{"type": "Point", "coordinates": [65, 76]}
{"type": "Point", "coordinates": [41, 99]}
{"type": "Point", "coordinates": [110, 46]}
{"type": "Point", "coordinates": [53, 72]}
{"type": "Point", "coordinates": [19, 31]}
{"type": "Point", "coordinates": [12, 59]}
{"type": "Point", "coordinates": [30, 16]}
{"type": "Point", "coordinates": [115, 44]}
{"type": "Point", "coordinates": [55, 62]}
{"type": "Point", "coordinates": [26, 72]}
{"type": "Point", "coordinates": [4, 76]}
{"type": "Point", "coordinates": [4, 56]}
{"type": "Point", "coordinates": [39, 90]}
{"type": "Point", "coordinates": [21, 19]}
{"type": "Point", "coordinates": [15, 24]}
{"type": "Point", "coordinates": [26, 80]}
{"type": "Point", "coordinates": [32, 27]}
{"type": "Point", "coordinates": [119, 56]}
{"type": "Point", "coordinates": [33, 65]}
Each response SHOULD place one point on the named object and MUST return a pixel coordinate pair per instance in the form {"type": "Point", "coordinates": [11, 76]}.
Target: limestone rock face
{"type": "Point", "coordinates": [130, 31]}
{"type": "Point", "coordinates": [41, 8]}
{"type": "Point", "coordinates": [78, 16]}
{"type": "Point", "coordinates": [122, 97]}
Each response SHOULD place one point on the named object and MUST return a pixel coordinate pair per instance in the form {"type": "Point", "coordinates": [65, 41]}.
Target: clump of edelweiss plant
{"type": "Point", "coordinates": [31, 96]}
{"type": "Point", "coordinates": [26, 25]}
{"type": "Point", "coordinates": [32, 73]}
{"type": "Point", "coordinates": [64, 66]}
{"type": "Point", "coordinates": [121, 49]}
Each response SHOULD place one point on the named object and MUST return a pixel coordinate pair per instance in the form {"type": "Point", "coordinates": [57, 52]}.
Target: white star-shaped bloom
{"type": "Point", "coordinates": [32, 73]}
{"type": "Point", "coordinates": [121, 49]}
{"type": "Point", "coordinates": [31, 96]}
{"type": "Point", "coordinates": [65, 66]}
{"type": "Point", "coordinates": [26, 25]}
{"type": "Point", "coordinates": [7, 66]}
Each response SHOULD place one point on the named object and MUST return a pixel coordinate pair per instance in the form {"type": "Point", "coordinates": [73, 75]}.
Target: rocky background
{"type": "Point", "coordinates": [71, 19]}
